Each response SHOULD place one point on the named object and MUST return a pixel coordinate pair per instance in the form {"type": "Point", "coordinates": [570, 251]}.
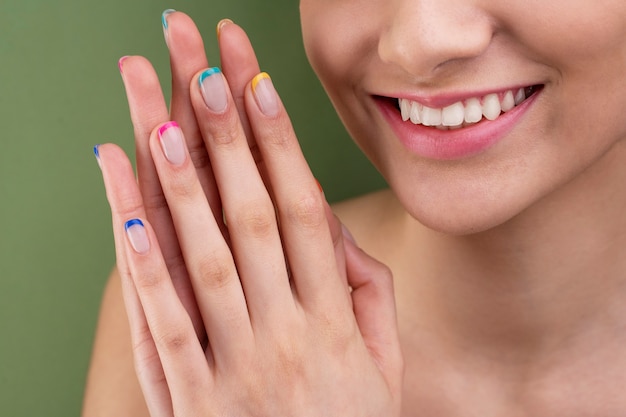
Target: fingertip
{"type": "Point", "coordinates": [265, 94]}
{"type": "Point", "coordinates": [120, 64]}
{"type": "Point", "coordinates": [347, 235]}
{"type": "Point", "coordinates": [221, 24]}
{"type": "Point", "coordinates": [137, 235]}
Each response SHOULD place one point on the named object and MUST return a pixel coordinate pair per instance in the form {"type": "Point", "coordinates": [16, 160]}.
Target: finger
{"type": "Point", "coordinates": [124, 197]}
{"type": "Point", "coordinates": [248, 209]}
{"type": "Point", "coordinates": [336, 233]}
{"type": "Point", "coordinates": [147, 110]}
{"type": "Point", "coordinates": [184, 363]}
{"type": "Point", "coordinates": [239, 64]}
{"type": "Point", "coordinates": [187, 57]}
{"type": "Point", "coordinates": [209, 261]}
{"type": "Point", "coordinates": [183, 360]}
{"type": "Point", "coordinates": [374, 305]}
{"type": "Point", "coordinates": [300, 205]}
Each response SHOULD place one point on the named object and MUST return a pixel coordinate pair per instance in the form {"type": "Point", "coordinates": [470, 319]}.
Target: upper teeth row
{"type": "Point", "coordinates": [461, 113]}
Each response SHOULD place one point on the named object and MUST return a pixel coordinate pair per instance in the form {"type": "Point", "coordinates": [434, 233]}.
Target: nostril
{"type": "Point", "coordinates": [427, 39]}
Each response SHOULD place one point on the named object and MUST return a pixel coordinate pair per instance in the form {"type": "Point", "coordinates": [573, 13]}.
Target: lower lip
{"type": "Point", "coordinates": [432, 143]}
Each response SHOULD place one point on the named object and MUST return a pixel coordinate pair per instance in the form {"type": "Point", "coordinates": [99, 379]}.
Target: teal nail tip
{"type": "Point", "coordinates": [207, 73]}
{"type": "Point", "coordinates": [131, 223]}
{"type": "Point", "coordinates": [164, 17]}
{"type": "Point", "coordinates": [96, 151]}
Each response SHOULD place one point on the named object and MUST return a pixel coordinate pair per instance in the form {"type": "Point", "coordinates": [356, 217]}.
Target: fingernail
{"type": "Point", "coordinates": [213, 89]}
{"type": "Point", "coordinates": [319, 186]}
{"type": "Point", "coordinates": [221, 24]}
{"type": "Point", "coordinates": [265, 94]}
{"type": "Point", "coordinates": [120, 64]}
{"type": "Point", "coordinates": [96, 151]}
{"type": "Point", "coordinates": [164, 23]}
{"type": "Point", "coordinates": [172, 142]}
{"type": "Point", "coordinates": [137, 235]}
{"type": "Point", "coordinates": [347, 234]}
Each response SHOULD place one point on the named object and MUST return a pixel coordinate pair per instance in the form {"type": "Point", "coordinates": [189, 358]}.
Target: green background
{"type": "Point", "coordinates": [60, 93]}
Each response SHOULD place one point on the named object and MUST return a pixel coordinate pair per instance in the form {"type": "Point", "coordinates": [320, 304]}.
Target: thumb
{"type": "Point", "coordinates": [374, 305]}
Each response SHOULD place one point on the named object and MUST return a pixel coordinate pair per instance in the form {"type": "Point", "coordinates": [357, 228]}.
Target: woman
{"type": "Point", "coordinates": [498, 126]}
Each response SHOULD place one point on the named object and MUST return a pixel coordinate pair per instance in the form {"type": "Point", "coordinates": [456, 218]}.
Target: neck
{"type": "Point", "coordinates": [554, 274]}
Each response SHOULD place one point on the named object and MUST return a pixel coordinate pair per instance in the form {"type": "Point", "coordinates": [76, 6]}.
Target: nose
{"type": "Point", "coordinates": [425, 36]}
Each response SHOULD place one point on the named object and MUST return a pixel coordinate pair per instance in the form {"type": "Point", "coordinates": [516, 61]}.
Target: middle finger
{"type": "Point", "coordinates": [248, 208]}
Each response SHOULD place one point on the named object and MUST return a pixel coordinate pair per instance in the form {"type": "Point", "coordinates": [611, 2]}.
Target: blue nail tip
{"type": "Point", "coordinates": [132, 222]}
{"type": "Point", "coordinates": [164, 17]}
{"type": "Point", "coordinates": [96, 151]}
{"type": "Point", "coordinates": [207, 73]}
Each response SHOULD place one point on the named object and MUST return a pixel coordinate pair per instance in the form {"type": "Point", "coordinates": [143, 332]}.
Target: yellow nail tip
{"type": "Point", "coordinates": [258, 78]}
{"type": "Point", "coordinates": [221, 24]}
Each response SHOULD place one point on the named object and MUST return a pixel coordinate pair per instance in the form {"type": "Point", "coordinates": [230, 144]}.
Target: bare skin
{"type": "Point", "coordinates": [526, 317]}
{"type": "Point", "coordinates": [484, 344]}
{"type": "Point", "coordinates": [489, 338]}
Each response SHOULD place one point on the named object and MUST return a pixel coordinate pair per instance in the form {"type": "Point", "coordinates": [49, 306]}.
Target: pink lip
{"type": "Point", "coordinates": [432, 143]}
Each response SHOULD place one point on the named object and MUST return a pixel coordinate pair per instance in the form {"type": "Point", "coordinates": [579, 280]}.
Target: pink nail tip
{"type": "Point", "coordinates": [167, 126]}
{"type": "Point", "coordinates": [120, 63]}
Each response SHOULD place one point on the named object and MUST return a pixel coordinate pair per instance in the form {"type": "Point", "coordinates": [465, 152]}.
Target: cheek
{"type": "Point", "coordinates": [567, 31]}
{"type": "Point", "coordinates": [339, 36]}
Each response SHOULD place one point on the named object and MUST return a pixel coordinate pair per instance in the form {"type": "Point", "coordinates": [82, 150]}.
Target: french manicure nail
{"type": "Point", "coordinates": [172, 142]}
{"type": "Point", "coordinates": [96, 151]}
{"type": "Point", "coordinates": [137, 235]}
{"type": "Point", "coordinates": [265, 94]}
{"type": "Point", "coordinates": [120, 63]}
{"type": "Point", "coordinates": [213, 89]}
{"type": "Point", "coordinates": [164, 23]}
{"type": "Point", "coordinates": [221, 24]}
{"type": "Point", "coordinates": [319, 186]}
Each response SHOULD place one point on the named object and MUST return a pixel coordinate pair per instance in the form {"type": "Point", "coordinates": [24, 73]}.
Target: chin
{"type": "Point", "coordinates": [460, 219]}
{"type": "Point", "coordinates": [459, 225]}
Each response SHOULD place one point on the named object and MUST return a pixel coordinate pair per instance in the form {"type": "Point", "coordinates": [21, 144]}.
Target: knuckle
{"type": "Point", "coordinates": [336, 328]}
{"type": "Point", "coordinates": [129, 206]}
{"type": "Point", "coordinates": [385, 276]}
{"type": "Point", "coordinates": [214, 271]}
{"type": "Point", "coordinates": [256, 220]}
{"type": "Point", "coordinates": [226, 135]}
{"type": "Point", "coordinates": [155, 201]}
{"type": "Point", "coordinates": [181, 188]}
{"type": "Point", "coordinates": [306, 212]}
{"type": "Point", "coordinates": [289, 359]}
{"type": "Point", "coordinates": [149, 280]}
{"type": "Point", "coordinates": [172, 340]}
{"type": "Point", "coordinates": [279, 136]}
{"type": "Point", "coordinates": [199, 157]}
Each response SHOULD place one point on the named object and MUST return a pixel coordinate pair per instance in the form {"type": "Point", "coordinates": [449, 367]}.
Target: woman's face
{"type": "Point", "coordinates": [506, 100]}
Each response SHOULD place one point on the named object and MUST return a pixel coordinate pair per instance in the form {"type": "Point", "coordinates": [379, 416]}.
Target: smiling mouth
{"type": "Point", "coordinates": [463, 113]}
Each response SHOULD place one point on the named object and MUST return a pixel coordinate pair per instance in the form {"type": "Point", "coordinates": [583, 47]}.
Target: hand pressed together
{"type": "Point", "coordinates": [244, 296]}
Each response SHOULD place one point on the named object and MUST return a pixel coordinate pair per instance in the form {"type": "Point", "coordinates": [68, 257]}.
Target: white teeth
{"type": "Point", "coordinates": [508, 102]}
{"type": "Point", "coordinates": [415, 116]}
{"type": "Point", "coordinates": [405, 109]}
{"type": "Point", "coordinates": [430, 116]}
{"type": "Point", "coordinates": [453, 115]}
{"type": "Point", "coordinates": [461, 114]}
{"type": "Point", "coordinates": [491, 107]}
{"type": "Point", "coordinates": [473, 111]}
{"type": "Point", "coordinates": [520, 96]}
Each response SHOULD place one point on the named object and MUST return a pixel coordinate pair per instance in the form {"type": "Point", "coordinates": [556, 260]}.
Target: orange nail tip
{"type": "Point", "coordinates": [319, 185]}
{"type": "Point", "coordinates": [221, 24]}
{"type": "Point", "coordinates": [258, 78]}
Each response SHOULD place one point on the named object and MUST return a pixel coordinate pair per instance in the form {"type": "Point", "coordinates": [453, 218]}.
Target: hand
{"type": "Point", "coordinates": [286, 334]}
{"type": "Point", "coordinates": [148, 109]}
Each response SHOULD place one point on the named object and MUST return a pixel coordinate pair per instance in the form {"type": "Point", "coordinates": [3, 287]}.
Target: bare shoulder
{"type": "Point", "coordinates": [363, 206]}
{"type": "Point", "coordinates": [368, 216]}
